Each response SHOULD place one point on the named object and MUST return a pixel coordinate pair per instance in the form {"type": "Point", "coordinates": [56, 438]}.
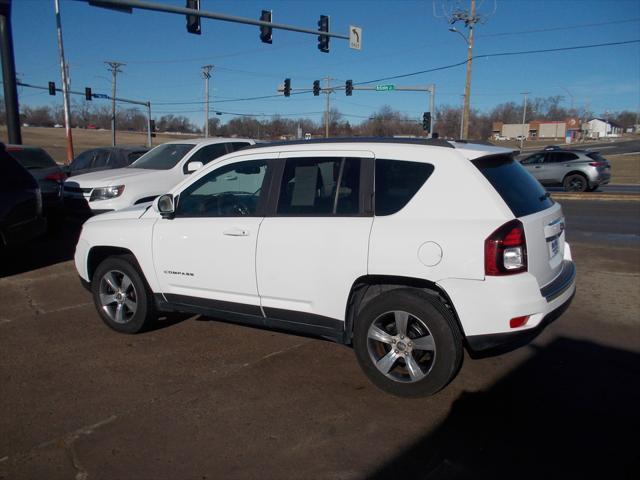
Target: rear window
{"type": "Point", "coordinates": [12, 175]}
{"type": "Point", "coordinates": [32, 158]}
{"type": "Point", "coordinates": [596, 156]}
{"type": "Point", "coordinates": [397, 181]}
{"type": "Point", "coordinates": [522, 193]}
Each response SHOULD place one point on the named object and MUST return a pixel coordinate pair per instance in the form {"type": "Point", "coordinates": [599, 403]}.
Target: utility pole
{"type": "Point", "coordinates": [9, 74]}
{"type": "Point", "coordinates": [462, 117]}
{"type": "Point", "coordinates": [470, 19]}
{"type": "Point", "coordinates": [524, 115]}
{"type": "Point", "coordinates": [326, 113]}
{"type": "Point", "coordinates": [115, 69]}
{"type": "Point", "coordinates": [64, 68]}
{"type": "Point", "coordinates": [206, 75]}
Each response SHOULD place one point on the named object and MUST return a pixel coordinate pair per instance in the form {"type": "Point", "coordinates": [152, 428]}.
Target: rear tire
{"type": "Point", "coordinates": [121, 295]}
{"type": "Point", "coordinates": [407, 343]}
{"type": "Point", "coordinates": [575, 183]}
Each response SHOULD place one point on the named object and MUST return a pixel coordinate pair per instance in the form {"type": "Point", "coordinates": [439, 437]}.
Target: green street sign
{"type": "Point", "coordinates": [385, 88]}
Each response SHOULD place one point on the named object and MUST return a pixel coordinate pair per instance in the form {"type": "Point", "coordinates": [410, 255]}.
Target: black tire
{"type": "Point", "coordinates": [439, 367]}
{"type": "Point", "coordinates": [137, 292]}
{"type": "Point", "coordinates": [575, 183]}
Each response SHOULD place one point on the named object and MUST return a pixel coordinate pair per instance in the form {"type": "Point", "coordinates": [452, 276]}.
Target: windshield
{"type": "Point", "coordinates": [163, 157]}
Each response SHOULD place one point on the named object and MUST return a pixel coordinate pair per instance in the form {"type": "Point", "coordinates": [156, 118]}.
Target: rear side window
{"type": "Point", "coordinates": [522, 193]}
{"type": "Point", "coordinates": [237, 146]}
{"type": "Point", "coordinates": [596, 156]}
{"type": "Point", "coordinates": [320, 187]}
{"type": "Point", "coordinates": [397, 182]}
{"type": "Point", "coordinates": [557, 157]}
{"type": "Point", "coordinates": [32, 158]}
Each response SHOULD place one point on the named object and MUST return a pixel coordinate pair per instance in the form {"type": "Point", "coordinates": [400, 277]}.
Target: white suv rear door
{"type": "Point", "coordinates": [206, 254]}
{"type": "Point", "coordinates": [313, 242]}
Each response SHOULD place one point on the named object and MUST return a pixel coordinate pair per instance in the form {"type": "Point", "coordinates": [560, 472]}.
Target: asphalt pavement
{"type": "Point", "coordinates": [197, 398]}
{"type": "Point", "coordinates": [606, 147]}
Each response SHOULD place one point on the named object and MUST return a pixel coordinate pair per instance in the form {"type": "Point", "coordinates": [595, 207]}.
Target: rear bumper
{"type": "Point", "coordinates": [485, 308]}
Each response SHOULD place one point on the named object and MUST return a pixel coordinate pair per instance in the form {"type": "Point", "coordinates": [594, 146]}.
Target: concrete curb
{"type": "Point", "coordinates": [620, 197]}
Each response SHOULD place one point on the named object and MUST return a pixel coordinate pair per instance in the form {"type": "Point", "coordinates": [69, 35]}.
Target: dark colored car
{"type": "Point", "coordinates": [45, 170]}
{"type": "Point", "coordinates": [20, 203]}
{"type": "Point", "coordinates": [104, 158]}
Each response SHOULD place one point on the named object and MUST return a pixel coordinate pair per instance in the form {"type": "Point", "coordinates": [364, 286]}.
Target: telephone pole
{"type": "Point", "coordinates": [524, 116]}
{"type": "Point", "coordinates": [206, 74]}
{"type": "Point", "coordinates": [327, 92]}
{"type": "Point", "coordinates": [115, 69]}
{"type": "Point", "coordinates": [470, 19]}
{"type": "Point", "coordinates": [64, 67]}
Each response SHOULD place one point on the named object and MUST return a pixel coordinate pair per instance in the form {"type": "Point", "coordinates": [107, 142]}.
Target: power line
{"type": "Point", "coordinates": [554, 29]}
{"type": "Point", "coordinates": [500, 54]}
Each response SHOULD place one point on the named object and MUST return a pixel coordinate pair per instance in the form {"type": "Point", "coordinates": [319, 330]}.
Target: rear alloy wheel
{"type": "Point", "coordinates": [575, 183]}
{"type": "Point", "coordinates": [121, 296]}
{"type": "Point", "coordinates": [407, 343]}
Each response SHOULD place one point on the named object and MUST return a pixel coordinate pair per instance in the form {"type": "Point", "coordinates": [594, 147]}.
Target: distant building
{"type": "Point", "coordinates": [565, 129]}
{"type": "Point", "coordinates": [600, 128]}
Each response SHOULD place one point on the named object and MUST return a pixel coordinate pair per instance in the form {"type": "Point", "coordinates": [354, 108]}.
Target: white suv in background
{"type": "Point", "coordinates": [153, 174]}
{"type": "Point", "coordinates": [409, 250]}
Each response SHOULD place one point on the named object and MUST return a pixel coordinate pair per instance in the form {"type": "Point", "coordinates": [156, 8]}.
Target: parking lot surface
{"type": "Point", "coordinates": [199, 399]}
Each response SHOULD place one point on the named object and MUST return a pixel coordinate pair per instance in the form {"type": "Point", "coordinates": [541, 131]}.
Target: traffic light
{"type": "Point", "coordinates": [193, 21]}
{"type": "Point", "coordinates": [348, 88]}
{"type": "Point", "coordinates": [287, 87]}
{"type": "Point", "coordinates": [323, 40]}
{"type": "Point", "coordinates": [87, 93]}
{"type": "Point", "coordinates": [316, 87]}
{"type": "Point", "coordinates": [52, 88]}
{"type": "Point", "coordinates": [266, 32]}
{"type": "Point", "coordinates": [426, 121]}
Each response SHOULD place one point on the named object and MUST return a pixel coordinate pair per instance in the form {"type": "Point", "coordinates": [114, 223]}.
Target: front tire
{"type": "Point", "coordinates": [407, 343]}
{"type": "Point", "coordinates": [121, 295]}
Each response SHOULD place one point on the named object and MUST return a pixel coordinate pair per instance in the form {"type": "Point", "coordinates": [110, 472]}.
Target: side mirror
{"type": "Point", "coordinates": [193, 166]}
{"type": "Point", "coordinates": [165, 207]}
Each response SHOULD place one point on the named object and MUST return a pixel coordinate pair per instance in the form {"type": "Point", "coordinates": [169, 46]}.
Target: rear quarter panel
{"type": "Point", "coordinates": [456, 209]}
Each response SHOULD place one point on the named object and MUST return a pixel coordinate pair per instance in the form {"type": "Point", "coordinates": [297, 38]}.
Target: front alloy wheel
{"type": "Point", "coordinates": [118, 296]}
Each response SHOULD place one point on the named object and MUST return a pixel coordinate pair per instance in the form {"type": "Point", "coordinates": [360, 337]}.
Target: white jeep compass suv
{"type": "Point", "coordinates": [408, 250]}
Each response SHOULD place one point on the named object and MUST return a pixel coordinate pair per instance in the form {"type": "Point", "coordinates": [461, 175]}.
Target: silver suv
{"type": "Point", "coordinates": [575, 170]}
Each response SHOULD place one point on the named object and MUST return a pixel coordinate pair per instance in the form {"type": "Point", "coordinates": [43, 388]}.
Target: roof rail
{"type": "Point", "coordinates": [434, 142]}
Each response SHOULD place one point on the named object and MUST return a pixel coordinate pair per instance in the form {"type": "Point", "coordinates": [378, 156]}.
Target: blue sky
{"type": "Point", "coordinates": [163, 61]}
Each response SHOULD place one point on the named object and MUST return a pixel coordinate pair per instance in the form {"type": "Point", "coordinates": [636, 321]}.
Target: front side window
{"type": "Point", "coordinates": [163, 157]}
{"type": "Point", "coordinates": [229, 191]}
{"type": "Point", "coordinates": [397, 181]}
{"type": "Point", "coordinates": [320, 187]}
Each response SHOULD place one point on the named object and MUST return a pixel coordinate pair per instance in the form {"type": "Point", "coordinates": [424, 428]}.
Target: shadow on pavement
{"type": "Point", "coordinates": [57, 245]}
{"type": "Point", "coordinates": [571, 411]}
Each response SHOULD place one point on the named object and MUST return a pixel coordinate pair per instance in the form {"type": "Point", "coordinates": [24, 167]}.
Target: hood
{"type": "Point", "coordinates": [116, 176]}
{"type": "Point", "coordinates": [135, 211]}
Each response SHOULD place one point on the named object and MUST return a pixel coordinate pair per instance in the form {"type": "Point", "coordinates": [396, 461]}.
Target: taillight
{"type": "Point", "coordinates": [505, 250]}
{"type": "Point", "coordinates": [56, 177]}
{"type": "Point", "coordinates": [598, 164]}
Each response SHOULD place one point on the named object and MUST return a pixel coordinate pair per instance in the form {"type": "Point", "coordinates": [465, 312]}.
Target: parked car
{"type": "Point", "coordinates": [151, 175]}
{"type": "Point", "coordinates": [104, 158]}
{"type": "Point", "coordinates": [20, 203]}
{"type": "Point", "coordinates": [46, 171]}
{"type": "Point", "coordinates": [363, 242]}
{"type": "Point", "coordinates": [575, 170]}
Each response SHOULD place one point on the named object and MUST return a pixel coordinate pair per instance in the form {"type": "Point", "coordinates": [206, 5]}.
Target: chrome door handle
{"type": "Point", "coordinates": [236, 232]}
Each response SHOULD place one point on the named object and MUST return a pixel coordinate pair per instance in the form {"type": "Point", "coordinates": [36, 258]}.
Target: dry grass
{"type": "Point", "coordinates": [53, 140]}
{"type": "Point", "coordinates": [625, 168]}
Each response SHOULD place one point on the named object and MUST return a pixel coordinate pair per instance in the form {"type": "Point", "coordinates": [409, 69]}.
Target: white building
{"type": "Point", "coordinates": [599, 128]}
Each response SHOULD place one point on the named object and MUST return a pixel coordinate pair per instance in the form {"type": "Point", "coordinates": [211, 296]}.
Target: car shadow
{"type": "Point", "coordinates": [55, 246]}
{"type": "Point", "coordinates": [570, 411]}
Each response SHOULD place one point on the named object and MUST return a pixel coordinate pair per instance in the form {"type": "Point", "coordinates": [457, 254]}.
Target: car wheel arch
{"type": "Point", "coordinates": [368, 287]}
{"type": "Point", "coordinates": [99, 253]}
